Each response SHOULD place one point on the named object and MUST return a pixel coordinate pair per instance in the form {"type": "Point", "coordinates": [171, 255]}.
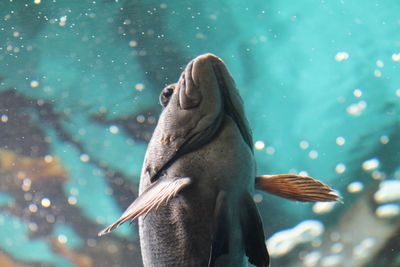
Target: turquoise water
{"type": "Point", "coordinates": [79, 86]}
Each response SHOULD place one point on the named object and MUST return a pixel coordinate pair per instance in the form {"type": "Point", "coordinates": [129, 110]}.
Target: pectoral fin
{"type": "Point", "coordinates": [253, 233]}
{"type": "Point", "coordinates": [159, 193]}
{"type": "Point", "coordinates": [296, 187]}
{"type": "Point", "coordinates": [220, 238]}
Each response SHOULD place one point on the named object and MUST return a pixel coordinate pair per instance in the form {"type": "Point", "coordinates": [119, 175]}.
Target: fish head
{"type": "Point", "coordinates": [196, 92]}
{"type": "Point", "coordinates": [193, 112]}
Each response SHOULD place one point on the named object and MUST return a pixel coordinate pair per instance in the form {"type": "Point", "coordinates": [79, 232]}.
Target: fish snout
{"type": "Point", "coordinates": [203, 68]}
{"type": "Point", "coordinates": [198, 81]}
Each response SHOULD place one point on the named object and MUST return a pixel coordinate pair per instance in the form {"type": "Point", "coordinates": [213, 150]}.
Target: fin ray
{"type": "Point", "coordinates": [159, 193]}
{"type": "Point", "coordinates": [296, 187]}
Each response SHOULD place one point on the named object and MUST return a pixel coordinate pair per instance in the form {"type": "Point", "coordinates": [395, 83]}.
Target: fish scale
{"type": "Point", "coordinates": [171, 232]}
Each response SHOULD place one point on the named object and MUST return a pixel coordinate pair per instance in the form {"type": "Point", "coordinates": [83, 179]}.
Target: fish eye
{"type": "Point", "coordinates": [166, 94]}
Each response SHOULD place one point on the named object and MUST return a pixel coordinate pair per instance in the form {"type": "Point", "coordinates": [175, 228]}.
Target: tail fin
{"type": "Point", "coordinates": [296, 187]}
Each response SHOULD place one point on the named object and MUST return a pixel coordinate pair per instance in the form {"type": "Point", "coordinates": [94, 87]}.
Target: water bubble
{"type": "Point", "coordinates": [270, 150]}
{"type": "Point", "coordinates": [363, 249]}
{"type": "Point", "coordinates": [340, 168]}
{"type": "Point", "coordinates": [259, 145]}
{"type": "Point", "coordinates": [45, 202]}
{"type": "Point", "coordinates": [356, 109]}
{"type": "Point", "coordinates": [313, 154]}
{"type": "Point", "coordinates": [387, 211]}
{"type": "Point", "coordinates": [62, 239]}
{"type": "Point", "coordinates": [26, 184]}
{"type": "Point", "coordinates": [357, 93]}
{"type": "Point", "coordinates": [303, 173]}
{"type": "Point", "coordinates": [258, 198]}
{"type": "Point", "coordinates": [4, 118]}
{"type": "Point", "coordinates": [114, 129]}
{"type": "Point", "coordinates": [33, 226]}
{"type": "Point", "coordinates": [63, 21]}
{"type": "Point", "coordinates": [72, 200]}
{"type": "Point", "coordinates": [37, 2]}
{"type": "Point", "coordinates": [389, 191]}
{"type": "Point", "coordinates": [371, 164]}
{"type": "Point", "coordinates": [396, 57]}
{"type": "Point", "coordinates": [379, 63]}
{"type": "Point", "coordinates": [304, 144]}
{"type": "Point", "coordinates": [285, 241]}
{"type": "Point", "coordinates": [384, 139]}
{"type": "Point", "coordinates": [140, 119]}
{"type": "Point", "coordinates": [132, 43]}
{"type": "Point", "coordinates": [341, 56]}
{"type": "Point", "coordinates": [33, 208]}
{"type": "Point", "coordinates": [337, 247]}
{"type": "Point", "coordinates": [332, 261]}
{"type": "Point", "coordinates": [398, 92]}
{"type": "Point", "coordinates": [48, 158]}
{"type": "Point", "coordinates": [139, 87]}
{"type": "Point", "coordinates": [323, 207]}
{"type": "Point", "coordinates": [311, 259]}
{"type": "Point", "coordinates": [355, 187]}
{"type": "Point", "coordinates": [340, 141]}
{"type": "Point", "coordinates": [34, 84]}
{"type": "Point", "coordinates": [377, 73]}
{"type": "Point", "coordinates": [84, 158]}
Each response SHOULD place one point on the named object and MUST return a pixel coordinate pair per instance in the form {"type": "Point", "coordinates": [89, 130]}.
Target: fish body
{"type": "Point", "coordinates": [181, 232]}
{"type": "Point", "coordinates": [195, 204]}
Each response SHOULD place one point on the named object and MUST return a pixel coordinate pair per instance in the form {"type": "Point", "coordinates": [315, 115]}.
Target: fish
{"type": "Point", "coordinates": [195, 205]}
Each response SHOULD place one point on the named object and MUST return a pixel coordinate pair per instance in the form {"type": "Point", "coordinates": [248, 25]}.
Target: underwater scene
{"type": "Point", "coordinates": [79, 100]}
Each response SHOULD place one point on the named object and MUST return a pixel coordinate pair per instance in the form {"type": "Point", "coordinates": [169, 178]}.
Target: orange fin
{"type": "Point", "coordinates": [159, 193]}
{"type": "Point", "coordinates": [296, 187]}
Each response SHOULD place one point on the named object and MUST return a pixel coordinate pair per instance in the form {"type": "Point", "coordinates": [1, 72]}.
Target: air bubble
{"type": "Point", "coordinates": [340, 141]}
{"type": "Point", "coordinates": [355, 187]}
{"type": "Point", "coordinates": [342, 56]}
{"type": "Point", "coordinates": [304, 144]}
{"type": "Point", "coordinates": [259, 145]}
{"type": "Point", "coordinates": [34, 84]}
{"type": "Point", "coordinates": [45, 202]}
{"type": "Point", "coordinates": [371, 164]}
{"type": "Point", "coordinates": [114, 129]}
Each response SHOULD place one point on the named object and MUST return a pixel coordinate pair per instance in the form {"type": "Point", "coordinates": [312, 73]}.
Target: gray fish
{"type": "Point", "coordinates": [195, 204]}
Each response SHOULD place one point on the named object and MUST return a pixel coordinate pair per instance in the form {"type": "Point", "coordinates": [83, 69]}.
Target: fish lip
{"type": "Point", "coordinates": [190, 82]}
{"type": "Point", "coordinates": [208, 57]}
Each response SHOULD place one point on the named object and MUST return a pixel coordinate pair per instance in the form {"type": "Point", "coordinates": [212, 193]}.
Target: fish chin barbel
{"type": "Point", "coordinates": [195, 204]}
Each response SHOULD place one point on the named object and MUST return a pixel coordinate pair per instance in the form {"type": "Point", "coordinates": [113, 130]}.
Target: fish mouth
{"type": "Point", "coordinates": [199, 72]}
{"type": "Point", "coordinates": [202, 66]}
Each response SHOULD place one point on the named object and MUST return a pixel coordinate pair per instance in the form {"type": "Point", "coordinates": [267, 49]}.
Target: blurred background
{"type": "Point", "coordinates": [79, 86]}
